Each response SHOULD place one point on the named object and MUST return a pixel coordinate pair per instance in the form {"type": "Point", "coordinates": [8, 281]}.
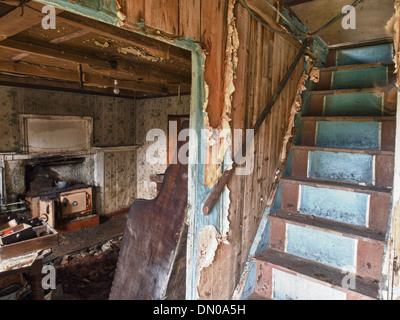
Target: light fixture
{"type": "Point", "coordinates": [114, 66]}
{"type": "Point", "coordinates": [116, 89]}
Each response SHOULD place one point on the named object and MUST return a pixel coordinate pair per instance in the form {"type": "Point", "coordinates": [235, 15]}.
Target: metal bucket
{"type": "Point", "coordinates": [11, 292]}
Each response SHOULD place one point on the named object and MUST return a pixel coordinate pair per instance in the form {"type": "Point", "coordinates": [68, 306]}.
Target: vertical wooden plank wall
{"type": "Point", "coordinates": [176, 17]}
{"type": "Point", "coordinates": [189, 19]}
{"type": "Point", "coordinates": [163, 15]}
{"type": "Point", "coordinates": [263, 60]}
{"type": "Point", "coordinates": [213, 40]}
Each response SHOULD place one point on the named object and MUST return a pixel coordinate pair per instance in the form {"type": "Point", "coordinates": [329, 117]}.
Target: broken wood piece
{"type": "Point", "coordinates": [154, 235]}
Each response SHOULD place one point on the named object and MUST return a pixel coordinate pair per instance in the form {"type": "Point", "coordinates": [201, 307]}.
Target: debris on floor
{"type": "Point", "coordinates": [87, 274]}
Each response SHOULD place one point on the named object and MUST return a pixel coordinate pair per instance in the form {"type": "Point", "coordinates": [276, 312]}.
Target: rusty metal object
{"type": "Point", "coordinates": [152, 237]}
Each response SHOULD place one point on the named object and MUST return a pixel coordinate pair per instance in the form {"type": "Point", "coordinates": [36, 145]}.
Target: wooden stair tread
{"type": "Point", "coordinates": [317, 272]}
{"type": "Point", "coordinates": [329, 184]}
{"type": "Point", "coordinates": [358, 66]}
{"type": "Point", "coordinates": [349, 118]}
{"type": "Point", "coordinates": [331, 226]}
{"type": "Point", "coordinates": [345, 91]}
{"type": "Point", "coordinates": [344, 150]}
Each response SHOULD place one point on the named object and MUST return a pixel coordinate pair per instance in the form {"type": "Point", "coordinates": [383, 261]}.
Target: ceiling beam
{"type": "Point", "coordinates": [153, 47]}
{"type": "Point", "coordinates": [64, 86]}
{"type": "Point", "coordinates": [70, 36]}
{"type": "Point", "coordinates": [124, 67]}
{"type": "Point", "coordinates": [296, 2]}
{"type": "Point", "coordinates": [13, 23]}
{"type": "Point", "coordinates": [90, 80]}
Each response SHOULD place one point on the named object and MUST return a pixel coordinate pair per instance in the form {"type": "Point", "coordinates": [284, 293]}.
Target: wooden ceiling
{"type": "Point", "coordinates": [371, 19]}
{"type": "Point", "coordinates": [85, 55]}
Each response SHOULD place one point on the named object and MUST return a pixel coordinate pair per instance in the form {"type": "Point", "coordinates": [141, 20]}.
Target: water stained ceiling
{"type": "Point", "coordinates": [86, 55]}
{"type": "Point", "coordinates": [371, 19]}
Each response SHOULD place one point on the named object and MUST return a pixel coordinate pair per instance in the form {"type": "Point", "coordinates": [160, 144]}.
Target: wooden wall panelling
{"type": "Point", "coordinates": [163, 15]}
{"type": "Point", "coordinates": [134, 10]}
{"type": "Point", "coordinates": [181, 18]}
{"type": "Point", "coordinates": [264, 59]}
{"type": "Point", "coordinates": [189, 19]}
{"type": "Point", "coordinates": [211, 284]}
{"type": "Point", "coordinates": [213, 40]}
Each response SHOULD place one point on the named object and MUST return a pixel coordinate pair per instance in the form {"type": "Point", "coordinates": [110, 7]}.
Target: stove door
{"type": "Point", "coordinates": [75, 203]}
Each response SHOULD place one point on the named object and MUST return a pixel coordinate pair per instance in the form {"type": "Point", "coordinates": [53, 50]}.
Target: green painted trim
{"type": "Point", "coordinates": [90, 8]}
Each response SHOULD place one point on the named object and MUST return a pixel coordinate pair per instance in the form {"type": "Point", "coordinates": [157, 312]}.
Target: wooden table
{"type": "Point", "coordinates": [35, 277]}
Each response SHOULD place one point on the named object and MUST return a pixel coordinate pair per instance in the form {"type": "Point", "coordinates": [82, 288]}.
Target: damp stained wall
{"type": "Point", "coordinates": [153, 114]}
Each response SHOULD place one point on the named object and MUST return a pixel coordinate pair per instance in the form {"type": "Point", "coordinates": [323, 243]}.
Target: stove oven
{"type": "Point", "coordinates": [62, 205]}
{"type": "Point", "coordinates": [74, 203]}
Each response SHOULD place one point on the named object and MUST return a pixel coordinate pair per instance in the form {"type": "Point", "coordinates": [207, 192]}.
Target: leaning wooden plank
{"type": "Point", "coordinates": [151, 240]}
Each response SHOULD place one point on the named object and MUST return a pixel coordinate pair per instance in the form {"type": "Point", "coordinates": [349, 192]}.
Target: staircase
{"type": "Point", "coordinates": [328, 239]}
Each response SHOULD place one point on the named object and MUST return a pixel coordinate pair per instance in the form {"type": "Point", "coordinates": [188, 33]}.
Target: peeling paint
{"type": "Point", "coordinates": [220, 138]}
{"type": "Point", "coordinates": [139, 53]}
{"type": "Point", "coordinates": [393, 27]}
{"type": "Point", "coordinates": [103, 45]}
{"type": "Point", "coordinates": [223, 140]}
{"type": "Point", "coordinates": [208, 241]}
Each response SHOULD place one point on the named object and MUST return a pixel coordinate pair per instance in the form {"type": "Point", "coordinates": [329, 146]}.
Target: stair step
{"type": "Point", "coordinates": [347, 91]}
{"type": "Point", "coordinates": [318, 183]}
{"type": "Point", "coordinates": [360, 255]}
{"type": "Point", "coordinates": [368, 133]}
{"type": "Point", "coordinates": [353, 78]}
{"type": "Point", "coordinates": [330, 226]}
{"type": "Point", "coordinates": [382, 103]}
{"type": "Point", "coordinates": [370, 152]}
{"type": "Point", "coordinates": [364, 206]}
{"type": "Point", "coordinates": [370, 53]}
{"type": "Point", "coordinates": [272, 262]}
{"type": "Point", "coordinates": [356, 166]}
{"type": "Point", "coordinates": [349, 118]}
{"type": "Point", "coordinates": [358, 66]}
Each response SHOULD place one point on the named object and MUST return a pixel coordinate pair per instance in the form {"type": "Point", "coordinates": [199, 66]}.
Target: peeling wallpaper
{"type": "Point", "coordinates": [153, 113]}
{"type": "Point", "coordinates": [120, 180]}
{"type": "Point", "coordinates": [112, 117]}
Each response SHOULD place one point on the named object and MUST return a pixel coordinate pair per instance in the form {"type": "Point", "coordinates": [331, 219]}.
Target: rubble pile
{"type": "Point", "coordinates": [88, 274]}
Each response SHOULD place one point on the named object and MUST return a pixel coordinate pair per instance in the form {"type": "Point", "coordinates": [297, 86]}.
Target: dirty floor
{"type": "Point", "coordinates": [85, 261]}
